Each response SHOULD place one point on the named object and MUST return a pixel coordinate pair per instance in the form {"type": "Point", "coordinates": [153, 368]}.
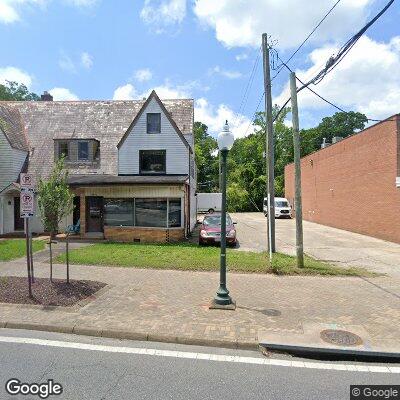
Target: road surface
{"type": "Point", "coordinates": [92, 368]}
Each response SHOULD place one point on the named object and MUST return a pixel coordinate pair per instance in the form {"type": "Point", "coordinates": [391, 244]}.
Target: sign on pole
{"type": "Point", "coordinates": [27, 181]}
{"type": "Point", "coordinates": [27, 204]}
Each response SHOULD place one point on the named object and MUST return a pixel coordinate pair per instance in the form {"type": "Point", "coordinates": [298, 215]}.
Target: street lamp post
{"type": "Point", "coordinates": [222, 298]}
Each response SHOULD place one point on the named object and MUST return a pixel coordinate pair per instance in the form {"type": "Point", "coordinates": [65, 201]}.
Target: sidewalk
{"type": "Point", "coordinates": [173, 306]}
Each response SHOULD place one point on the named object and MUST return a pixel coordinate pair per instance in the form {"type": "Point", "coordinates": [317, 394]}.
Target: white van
{"type": "Point", "coordinates": [283, 208]}
{"type": "Point", "coordinates": [209, 202]}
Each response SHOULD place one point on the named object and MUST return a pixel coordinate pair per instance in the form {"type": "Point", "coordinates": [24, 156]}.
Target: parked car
{"type": "Point", "coordinates": [283, 209]}
{"type": "Point", "coordinates": [210, 230]}
{"type": "Point", "coordinates": [209, 202]}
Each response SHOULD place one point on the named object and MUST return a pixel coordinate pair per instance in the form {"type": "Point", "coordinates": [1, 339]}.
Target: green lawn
{"type": "Point", "coordinates": [16, 248]}
{"type": "Point", "coordinates": [195, 258]}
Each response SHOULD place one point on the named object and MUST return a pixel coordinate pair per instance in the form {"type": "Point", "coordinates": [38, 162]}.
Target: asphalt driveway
{"type": "Point", "coordinates": [322, 242]}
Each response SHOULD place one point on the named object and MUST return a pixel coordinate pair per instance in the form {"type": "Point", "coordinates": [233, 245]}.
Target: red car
{"type": "Point", "coordinates": [210, 230]}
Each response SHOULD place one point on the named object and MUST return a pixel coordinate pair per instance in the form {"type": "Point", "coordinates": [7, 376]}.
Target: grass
{"type": "Point", "coordinates": [191, 257]}
{"type": "Point", "coordinates": [16, 248]}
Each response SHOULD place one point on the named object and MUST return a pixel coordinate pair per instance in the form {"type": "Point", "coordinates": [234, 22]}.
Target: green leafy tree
{"type": "Point", "coordinates": [207, 161]}
{"type": "Point", "coordinates": [54, 198]}
{"type": "Point", "coordinates": [14, 91]}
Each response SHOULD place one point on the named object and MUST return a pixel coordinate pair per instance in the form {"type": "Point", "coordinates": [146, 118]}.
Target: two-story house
{"type": "Point", "coordinates": [131, 164]}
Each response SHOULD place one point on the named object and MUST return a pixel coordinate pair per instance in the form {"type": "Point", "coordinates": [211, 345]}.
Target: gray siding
{"type": "Point", "coordinates": [138, 139]}
{"type": "Point", "coordinates": [11, 162]}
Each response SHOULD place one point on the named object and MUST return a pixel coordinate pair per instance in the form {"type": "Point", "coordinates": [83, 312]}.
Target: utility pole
{"type": "Point", "coordinates": [297, 172]}
{"type": "Point", "coordinates": [269, 147]}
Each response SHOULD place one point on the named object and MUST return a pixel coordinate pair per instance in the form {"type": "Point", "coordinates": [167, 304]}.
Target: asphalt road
{"type": "Point", "coordinates": [92, 368]}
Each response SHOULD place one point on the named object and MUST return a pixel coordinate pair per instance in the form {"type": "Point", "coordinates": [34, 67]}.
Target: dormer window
{"type": "Point", "coordinates": [153, 123]}
{"type": "Point", "coordinates": [63, 150]}
{"type": "Point", "coordinates": [83, 151]}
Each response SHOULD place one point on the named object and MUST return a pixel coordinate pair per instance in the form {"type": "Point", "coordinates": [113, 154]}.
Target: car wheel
{"type": "Point", "coordinates": [210, 210]}
{"type": "Point", "coordinates": [201, 243]}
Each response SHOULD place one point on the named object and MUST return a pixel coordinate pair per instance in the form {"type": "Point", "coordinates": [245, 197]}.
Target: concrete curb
{"type": "Point", "coordinates": [337, 353]}
{"type": "Point", "coordinates": [131, 335]}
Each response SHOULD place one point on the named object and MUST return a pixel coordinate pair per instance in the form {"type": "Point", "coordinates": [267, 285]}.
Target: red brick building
{"type": "Point", "coordinates": [354, 184]}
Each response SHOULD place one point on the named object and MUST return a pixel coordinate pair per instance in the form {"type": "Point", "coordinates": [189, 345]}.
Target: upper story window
{"type": "Point", "coordinates": [152, 161]}
{"type": "Point", "coordinates": [83, 151]}
{"type": "Point", "coordinates": [63, 150]}
{"type": "Point", "coordinates": [153, 123]}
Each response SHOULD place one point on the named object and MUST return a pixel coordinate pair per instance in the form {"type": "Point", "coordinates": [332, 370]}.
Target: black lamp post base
{"type": "Point", "coordinates": [215, 305]}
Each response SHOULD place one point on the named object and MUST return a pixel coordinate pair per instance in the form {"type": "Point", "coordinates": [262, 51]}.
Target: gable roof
{"type": "Point", "coordinates": [105, 121]}
{"type": "Point", "coordinates": [153, 95]}
{"type": "Point", "coordinates": [13, 128]}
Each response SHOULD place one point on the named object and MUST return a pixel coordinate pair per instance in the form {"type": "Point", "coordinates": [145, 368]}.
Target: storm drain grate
{"type": "Point", "coordinates": [340, 338]}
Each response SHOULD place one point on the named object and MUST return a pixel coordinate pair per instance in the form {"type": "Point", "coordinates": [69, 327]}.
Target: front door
{"type": "Point", "coordinates": [18, 221]}
{"type": "Point", "coordinates": [94, 214]}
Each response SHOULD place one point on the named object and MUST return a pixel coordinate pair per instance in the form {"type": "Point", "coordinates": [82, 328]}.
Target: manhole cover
{"type": "Point", "coordinates": [271, 312]}
{"type": "Point", "coordinates": [340, 338]}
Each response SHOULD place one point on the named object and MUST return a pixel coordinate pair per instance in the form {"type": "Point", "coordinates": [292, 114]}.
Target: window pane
{"type": "Point", "coordinates": [83, 150]}
{"type": "Point", "coordinates": [63, 149]}
{"type": "Point", "coordinates": [153, 123]}
{"type": "Point", "coordinates": [118, 212]}
{"type": "Point", "coordinates": [151, 212]}
{"type": "Point", "coordinates": [174, 215]}
{"type": "Point", "coordinates": [152, 161]}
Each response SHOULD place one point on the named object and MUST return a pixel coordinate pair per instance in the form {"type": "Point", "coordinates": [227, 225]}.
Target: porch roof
{"type": "Point", "coordinates": [12, 188]}
{"type": "Point", "coordinates": [101, 180]}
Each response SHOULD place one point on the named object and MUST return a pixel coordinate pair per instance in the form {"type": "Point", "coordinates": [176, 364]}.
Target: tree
{"type": "Point", "coordinates": [206, 154]}
{"type": "Point", "coordinates": [55, 201]}
{"type": "Point", "coordinates": [14, 91]}
{"type": "Point", "coordinates": [341, 124]}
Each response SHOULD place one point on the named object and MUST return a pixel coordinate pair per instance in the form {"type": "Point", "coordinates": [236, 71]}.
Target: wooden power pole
{"type": "Point", "coordinates": [297, 172]}
{"type": "Point", "coordinates": [269, 146]}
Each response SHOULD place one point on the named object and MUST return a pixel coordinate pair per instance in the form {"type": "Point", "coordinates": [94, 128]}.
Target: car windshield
{"type": "Point", "coordinates": [281, 203]}
{"type": "Point", "coordinates": [216, 221]}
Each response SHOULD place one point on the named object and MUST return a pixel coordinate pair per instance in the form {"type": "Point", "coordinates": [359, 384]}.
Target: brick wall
{"type": "Point", "coordinates": [145, 235]}
{"type": "Point", "coordinates": [351, 185]}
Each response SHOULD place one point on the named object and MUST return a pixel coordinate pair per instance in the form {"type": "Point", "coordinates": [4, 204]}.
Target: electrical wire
{"type": "Point", "coordinates": [306, 39]}
{"type": "Point", "coordinates": [255, 114]}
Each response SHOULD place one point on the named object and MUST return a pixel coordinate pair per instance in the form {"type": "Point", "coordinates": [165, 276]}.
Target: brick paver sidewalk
{"type": "Point", "coordinates": [173, 306]}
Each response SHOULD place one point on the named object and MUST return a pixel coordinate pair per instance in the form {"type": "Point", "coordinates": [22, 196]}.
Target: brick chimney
{"type": "Point", "coordinates": [46, 96]}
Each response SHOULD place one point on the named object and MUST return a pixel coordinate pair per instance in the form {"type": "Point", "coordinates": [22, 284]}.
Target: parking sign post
{"type": "Point", "coordinates": [27, 201]}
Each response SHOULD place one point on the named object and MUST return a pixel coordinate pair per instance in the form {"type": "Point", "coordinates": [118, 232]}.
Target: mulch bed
{"type": "Point", "coordinates": [14, 290]}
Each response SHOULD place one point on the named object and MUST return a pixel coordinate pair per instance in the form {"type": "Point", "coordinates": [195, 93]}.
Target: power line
{"type": "Point", "coordinates": [249, 84]}
{"type": "Point", "coordinates": [255, 113]}
{"type": "Point", "coordinates": [306, 39]}
{"type": "Point", "coordinates": [335, 60]}
{"type": "Point", "coordinates": [321, 97]}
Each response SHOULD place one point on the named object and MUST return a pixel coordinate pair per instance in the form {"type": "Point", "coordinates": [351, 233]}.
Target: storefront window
{"type": "Point", "coordinates": [118, 212]}
{"type": "Point", "coordinates": [151, 212]}
{"type": "Point", "coordinates": [174, 214]}
{"type": "Point", "coordinates": [143, 212]}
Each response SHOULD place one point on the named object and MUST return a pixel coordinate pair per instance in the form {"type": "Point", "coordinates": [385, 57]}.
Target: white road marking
{"type": "Point", "coordinates": [202, 356]}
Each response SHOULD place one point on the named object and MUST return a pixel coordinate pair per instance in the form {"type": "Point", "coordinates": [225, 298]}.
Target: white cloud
{"type": "Point", "coordinates": [60, 94]}
{"type": "Point", "coordinates": [15, 74]}
{"type": "Point", "coordinates": [66, 63]}
{"type": "Point", "coordinates": [160, 14]}
{"type": "Point", "coordinates": [86, 60]}
{"type": "Point", "coordinates": [241, 57]}
{"type": "Point", "coordinates": [225, 73]}
{"type": "Point", "coordinates": [215, 118]}
{"type": "Point", "coordinates": [166, 91]}
{"type": "Point", "coordinates": [143, 75]}
{"type": "Point", "coordinates": [82, 3]}
{"type": "Point", "coordinates": [125, 92]}
{"type": "Point", "coordinates": [10, 9]}
{"type": "Point", "coordinates": [241, 23]}
{"type": "Point", "coordinates": [367, 80]}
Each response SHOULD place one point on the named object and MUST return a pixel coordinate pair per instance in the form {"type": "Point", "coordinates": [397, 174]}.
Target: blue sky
{"type": "Point", "coordinates": [204, 49]}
